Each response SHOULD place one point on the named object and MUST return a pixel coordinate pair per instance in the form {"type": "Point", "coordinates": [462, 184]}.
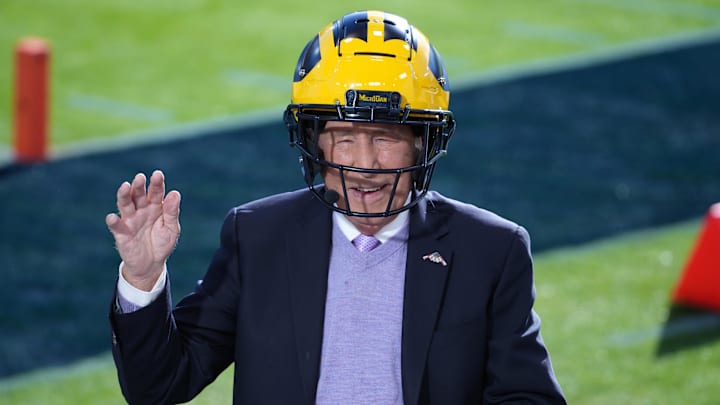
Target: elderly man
{"type": "Point", "coordinates": [393, 295]}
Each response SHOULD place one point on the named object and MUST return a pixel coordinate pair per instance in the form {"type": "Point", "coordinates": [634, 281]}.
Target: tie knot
{"type": "Point", "coordinates": [365, 243]}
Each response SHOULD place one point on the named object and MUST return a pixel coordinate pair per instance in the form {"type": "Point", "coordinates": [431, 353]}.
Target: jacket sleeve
{"type": "Point", "coordinates": [519, 368]}
{"type": "Point", "coordinates": [168, 356]}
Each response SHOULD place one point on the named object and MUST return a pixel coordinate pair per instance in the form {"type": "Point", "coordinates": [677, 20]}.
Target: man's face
{"type": "Point", "coordinates": [368, 146]}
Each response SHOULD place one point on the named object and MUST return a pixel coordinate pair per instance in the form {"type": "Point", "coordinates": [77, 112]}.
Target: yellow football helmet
{"type": "Point", "coordinates": [370, 66]}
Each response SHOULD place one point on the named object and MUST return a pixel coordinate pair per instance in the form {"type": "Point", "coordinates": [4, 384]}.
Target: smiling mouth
{"type": "Point", "coordinates": [367, 190]}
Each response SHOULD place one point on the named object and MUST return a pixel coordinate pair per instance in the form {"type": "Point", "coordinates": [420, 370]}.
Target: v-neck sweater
{"type": "Point", "coordinates": [362, 334]}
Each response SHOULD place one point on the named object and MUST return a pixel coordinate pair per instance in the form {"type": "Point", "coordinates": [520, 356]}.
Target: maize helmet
{"type": "Point", "coordinates": [370, 66]}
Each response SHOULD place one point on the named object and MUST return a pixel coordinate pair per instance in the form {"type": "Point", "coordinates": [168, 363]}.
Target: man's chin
{"type": "Point", "coordinates": [369, 225]}
{"type": "Point", "coordinates": [359, 207]}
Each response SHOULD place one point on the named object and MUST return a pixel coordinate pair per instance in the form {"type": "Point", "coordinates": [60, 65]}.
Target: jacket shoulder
{"type": "Point", "coordinates": [278, 207]}
{"type": "Point", "coordinates": [465, 213]}
{"type": "Point", "coordinates": [475, 223]}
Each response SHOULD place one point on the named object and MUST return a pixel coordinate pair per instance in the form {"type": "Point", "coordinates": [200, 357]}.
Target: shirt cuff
{"type": "Point", "coordinates": [131, 298]}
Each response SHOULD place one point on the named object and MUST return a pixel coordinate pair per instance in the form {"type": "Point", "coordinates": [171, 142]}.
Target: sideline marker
{"type": "Point", "coordinates": [32, 57]}
{"type": "Point", "coordinates": [699, 284]}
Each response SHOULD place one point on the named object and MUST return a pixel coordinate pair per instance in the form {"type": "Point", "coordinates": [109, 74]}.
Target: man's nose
{"type": "Point", "coordinates": [366, 155]}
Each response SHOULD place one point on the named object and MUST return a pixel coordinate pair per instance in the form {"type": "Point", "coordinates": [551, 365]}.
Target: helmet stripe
{"type": "Point", "coordinates": [396, 28]}
{"type": "Point", "coordinates": [437, 67]}
{"type": "Point", "coordinates": [309, 57]}
{"type": "Point", "coordinates": [353, 25]}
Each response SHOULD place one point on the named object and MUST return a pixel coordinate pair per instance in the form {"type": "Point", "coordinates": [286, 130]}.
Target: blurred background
{"type": "Point", "coordinates": [594, 123]}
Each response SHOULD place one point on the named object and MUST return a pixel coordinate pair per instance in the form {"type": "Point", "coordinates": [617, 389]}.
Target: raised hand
{"type": "Point", "coordinates": [147, 229]}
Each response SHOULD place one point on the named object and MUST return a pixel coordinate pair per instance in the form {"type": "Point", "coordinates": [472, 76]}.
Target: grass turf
{"type": "Point", "coordinates": [121, 65]}
{"type": "Point", "coordinates": [594, 300]}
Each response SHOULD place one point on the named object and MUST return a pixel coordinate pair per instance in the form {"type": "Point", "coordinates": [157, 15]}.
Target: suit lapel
{"type": "Point", "coordinates": [307, 265]}
{"type": "Point", "coordinates": [424, 287]}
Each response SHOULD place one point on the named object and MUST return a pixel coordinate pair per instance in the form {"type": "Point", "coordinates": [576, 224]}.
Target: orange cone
{"type": "Point", "coordinates": [32, 59]}
{"type": "Point", "coordinates": [699, 285]}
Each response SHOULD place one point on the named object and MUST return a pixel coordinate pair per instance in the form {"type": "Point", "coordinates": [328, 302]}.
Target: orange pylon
{"type": "Point", "coordinates": [31, 99]}
{"type": "Point", "coordinates": [699, 285]}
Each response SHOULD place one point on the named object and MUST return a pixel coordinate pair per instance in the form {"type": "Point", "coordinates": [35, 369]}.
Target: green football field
{"type": "Point", "coordinates": [124, 71]}
{"type": "Point", "coordinates": [121, 66]}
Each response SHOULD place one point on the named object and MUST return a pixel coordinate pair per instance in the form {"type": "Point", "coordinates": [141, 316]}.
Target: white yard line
{"type": "Point", "coordinates": [677, 328]}
{"type": "Point", "coordinates": [118, 108]}
{"type": "Point", "coordinates": [176, 132]}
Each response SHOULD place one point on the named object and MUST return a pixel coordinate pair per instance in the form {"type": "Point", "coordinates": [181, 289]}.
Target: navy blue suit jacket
{"type": "Point", "coordinates": [469, 332]}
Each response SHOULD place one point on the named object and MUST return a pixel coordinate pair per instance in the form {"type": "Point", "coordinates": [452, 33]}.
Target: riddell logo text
{"type": "Point", "coordinates": [372, 99]}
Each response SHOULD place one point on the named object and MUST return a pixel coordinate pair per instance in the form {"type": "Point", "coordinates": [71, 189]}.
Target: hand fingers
{"type": "Point", "coordinates": [131, 197]}
{"type": "Point", "coordinates": [171, 211]}
{"type": "Point", "coordinates": [111, 219]}
{"type": "Point", "coordinates": [138, 194]}
{"type": "Point", "coordinates": [115, 224]}
{"type": "Point", "coordinates": [124, 200]}
{"type": "Point", "coordinates": [156, 189]}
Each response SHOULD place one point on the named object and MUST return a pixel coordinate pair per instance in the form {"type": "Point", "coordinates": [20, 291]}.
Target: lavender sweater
{"type": "Point", "coordinates": [361, 346]}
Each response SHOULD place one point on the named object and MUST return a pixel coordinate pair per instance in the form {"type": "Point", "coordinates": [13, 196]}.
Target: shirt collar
{"type": "Point", "coordinates": [385, 233]}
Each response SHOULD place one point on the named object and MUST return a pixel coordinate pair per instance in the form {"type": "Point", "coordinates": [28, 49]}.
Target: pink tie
{"type": "Point", "coordinates": [365, 243]}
